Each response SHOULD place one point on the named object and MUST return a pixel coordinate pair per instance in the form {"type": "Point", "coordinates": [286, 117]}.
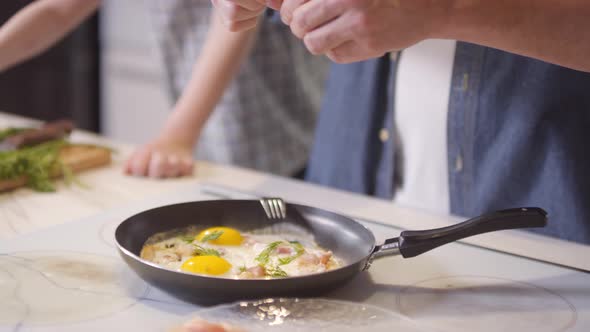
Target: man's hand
{"type": "Point", "coordinates": [355, 30]}
{"type": "Point", "coordinates": [239, 15]}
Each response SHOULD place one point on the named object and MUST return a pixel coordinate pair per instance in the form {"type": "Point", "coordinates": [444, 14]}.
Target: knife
{"type": "Point", "coordinates": [48, 132]}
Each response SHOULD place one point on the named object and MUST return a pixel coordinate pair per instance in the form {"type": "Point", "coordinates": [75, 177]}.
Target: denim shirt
{"type": "Point", "coordinates": [517, 135]}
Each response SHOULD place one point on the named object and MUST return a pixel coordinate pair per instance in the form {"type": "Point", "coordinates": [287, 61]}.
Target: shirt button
{"type": "Point", "coordinates": [383, 135]}
{"type": "Point", "coordinates": [459, 163]}
{"type": "Point", "coordinates": [393, 56]}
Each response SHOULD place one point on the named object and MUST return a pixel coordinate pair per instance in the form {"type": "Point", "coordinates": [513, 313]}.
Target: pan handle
{"type": "Point", "coordinates": [414, 243]}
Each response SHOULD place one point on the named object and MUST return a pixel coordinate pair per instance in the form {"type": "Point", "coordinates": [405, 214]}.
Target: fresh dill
{"type": "Point", "coordinates": [243, 269]}
{"type": "Point", "coordinates": [200, 251]}
{"type": "Point", "coordinates": [299, 250]}
{"type": "Point", "coordinates": [36, 163]}
{"type": "Point", "coordinates": [187, 238]}
{"type": "Point", "coordinates": [264, 255]}
{"type": "Point", "coordinates": [276, 272]}
{"type": "Point", "coordinates": [212, 236]}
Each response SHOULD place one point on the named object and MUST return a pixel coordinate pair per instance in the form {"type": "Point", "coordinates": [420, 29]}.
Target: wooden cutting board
{"type": "Point", "coordinates": [77, 157]}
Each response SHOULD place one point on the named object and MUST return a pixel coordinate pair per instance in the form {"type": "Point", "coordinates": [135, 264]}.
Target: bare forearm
{"type": "Point", "coordinates": [550, 30]}
{"type": "Point", "coordinates": [38, 26]}
{"type": "Point", "coordinates": [219, 61]}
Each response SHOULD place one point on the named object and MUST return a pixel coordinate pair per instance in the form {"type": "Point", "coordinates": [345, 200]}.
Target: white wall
{"type": "Point", "coordinates": [134, 100]}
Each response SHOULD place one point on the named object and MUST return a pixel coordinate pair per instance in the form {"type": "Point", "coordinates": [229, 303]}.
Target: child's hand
{"type": "Point", "coordinates": [161, 159]}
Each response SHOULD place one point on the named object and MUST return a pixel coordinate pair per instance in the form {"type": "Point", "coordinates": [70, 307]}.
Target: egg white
{"type": "Point", "coordinates": [172, 252]}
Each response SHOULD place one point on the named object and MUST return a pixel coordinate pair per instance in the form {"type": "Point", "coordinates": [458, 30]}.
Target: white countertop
{"type": "Point", "coordinates": [76, 225]}
{"type": "Point", "coordinates": [454, 288]}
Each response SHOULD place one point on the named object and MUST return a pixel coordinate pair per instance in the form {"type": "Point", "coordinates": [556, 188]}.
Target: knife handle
{"type": "Point", "coordinates": [48, 132]}
{"type": "Point", "coordinates": [414, 243]}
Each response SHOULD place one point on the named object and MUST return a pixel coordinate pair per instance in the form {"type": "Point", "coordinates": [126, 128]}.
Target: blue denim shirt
{"type": "Point", "coordinates": [517, 135]}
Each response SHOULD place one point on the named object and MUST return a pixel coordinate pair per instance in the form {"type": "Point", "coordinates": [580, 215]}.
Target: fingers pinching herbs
{"type": "Point", "coordinates": [314, 14]}
{"type": "Point", "coordinates": [288, 8]}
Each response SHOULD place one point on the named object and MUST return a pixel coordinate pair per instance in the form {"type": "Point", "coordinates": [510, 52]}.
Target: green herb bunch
{"type": "Point", "coordinates": [37, 163]}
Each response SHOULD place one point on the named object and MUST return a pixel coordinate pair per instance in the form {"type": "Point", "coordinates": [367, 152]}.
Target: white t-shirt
{"type": "Point", "coordinates": [422, 94]}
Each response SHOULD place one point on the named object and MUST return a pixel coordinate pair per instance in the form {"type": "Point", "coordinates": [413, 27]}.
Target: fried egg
{"type": "Point", "coordinates": [228, 253]}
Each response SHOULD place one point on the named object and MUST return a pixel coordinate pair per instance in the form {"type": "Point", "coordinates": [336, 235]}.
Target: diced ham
{"type": "Point", "coordinates": [309, 259]}
{"type": "Point", "coordinates": [248, 241]}
{"type": "Point", "coordinates": [253, 272]}
{"type": "Point", "coordinates": [315, 259]}
{"type": "Point", "coordinates": [325, 257]}
{"type": "Point", "coordinates": [285, 250]}
{"type": "Point", "coordinates": [257, 271]}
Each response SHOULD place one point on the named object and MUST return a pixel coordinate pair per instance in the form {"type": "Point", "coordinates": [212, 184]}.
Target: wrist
{"type": "Point", "coordinates": [178, 136]}
{"type": "Point", "coordinates": [469, 20]}
{"type": "Point", "coordinates": [179, 133]}
{"type": "Point", "coordinates": [437, 18]}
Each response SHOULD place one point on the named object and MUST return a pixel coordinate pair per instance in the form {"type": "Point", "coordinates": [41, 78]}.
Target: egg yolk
{"type": "Point", "coordinates": [211, 265]}
{"type": "Point", "coordinates": [228, 236]}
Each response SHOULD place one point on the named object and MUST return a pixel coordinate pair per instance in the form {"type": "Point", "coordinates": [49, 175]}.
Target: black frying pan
{"type": "Point", "coordinates": [345, 237]}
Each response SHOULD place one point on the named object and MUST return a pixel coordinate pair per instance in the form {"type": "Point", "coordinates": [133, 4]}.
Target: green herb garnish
{"type": "Point", "coordinates": [200, 251]}
{"type": "Point", "coordinates": [276, 272]}
{"type": "Point", "coordinates": [299, 250]}
{"type": "Point", "coordinates": [37, 163]}
{"type": "Point", "coordinates": [187, 238]}
{"type": "Point", "coordinates": [212, 236]}
{"type": "Point", "coordinates": [243, 269]}
{"type": "Point", "coordinates": [264, 255]}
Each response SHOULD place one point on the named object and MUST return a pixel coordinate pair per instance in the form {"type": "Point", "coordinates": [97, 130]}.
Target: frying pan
{"type": "Point", "coordinates": [345, 237]}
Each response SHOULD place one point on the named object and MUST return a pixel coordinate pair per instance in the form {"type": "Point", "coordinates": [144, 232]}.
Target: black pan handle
{"type": "Point", "coordinates": [414, 243]}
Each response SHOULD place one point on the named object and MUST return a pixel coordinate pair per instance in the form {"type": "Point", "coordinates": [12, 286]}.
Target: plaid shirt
{"type": "Point", "coordinates": [266, 118]}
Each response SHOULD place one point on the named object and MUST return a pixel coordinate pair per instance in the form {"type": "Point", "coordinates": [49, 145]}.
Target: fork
{"type": "Point", "coordinates": [274, 207]}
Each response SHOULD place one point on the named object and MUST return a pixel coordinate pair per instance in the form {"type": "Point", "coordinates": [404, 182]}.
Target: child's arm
{"type": "Point", "coordinates": [40, 25]}
{"type": "Point", "coordinates": [171, 154]}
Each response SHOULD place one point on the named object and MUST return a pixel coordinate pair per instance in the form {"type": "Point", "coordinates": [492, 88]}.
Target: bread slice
{"type": "Point", "coordinates": [77, 157]}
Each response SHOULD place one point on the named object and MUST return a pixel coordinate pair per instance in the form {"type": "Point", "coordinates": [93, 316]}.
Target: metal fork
{"type": "Point", "coordinates": [275, 208]}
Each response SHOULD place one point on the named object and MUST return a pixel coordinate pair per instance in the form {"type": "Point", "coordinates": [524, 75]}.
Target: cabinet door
{"type": "Point", "coordinates": [60, 83]}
